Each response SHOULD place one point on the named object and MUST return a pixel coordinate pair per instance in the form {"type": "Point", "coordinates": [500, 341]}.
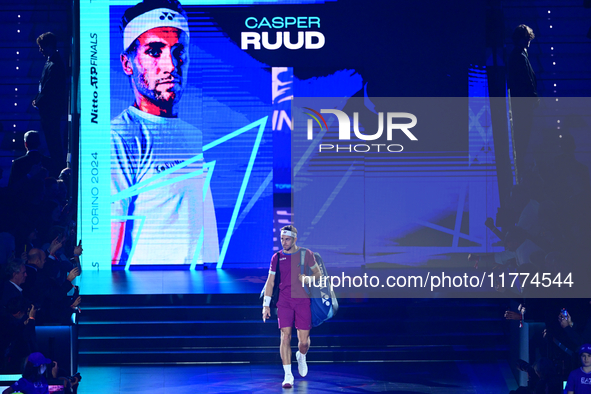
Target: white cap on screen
{"type": "Point", "coordinates": [160, 17]}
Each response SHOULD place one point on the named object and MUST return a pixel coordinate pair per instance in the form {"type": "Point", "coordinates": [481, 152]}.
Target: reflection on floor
{"type": "Point", "coordinates": [421, 377]}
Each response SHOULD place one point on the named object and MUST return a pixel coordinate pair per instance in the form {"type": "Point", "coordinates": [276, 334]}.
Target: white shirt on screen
{"type": "Point", "coordinates": [176, 212]}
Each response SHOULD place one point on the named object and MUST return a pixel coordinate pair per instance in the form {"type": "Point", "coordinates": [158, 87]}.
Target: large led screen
{"type": "Point", "coordinates": [186, 113]}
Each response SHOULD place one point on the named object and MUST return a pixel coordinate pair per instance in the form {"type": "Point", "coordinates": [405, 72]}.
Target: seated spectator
{"type": "Point", "coordinates": [39, 373]}
{"type": "Point", "coordinates": [579, 380]}
{"type": "Point", "coordinates": [58, 265]}
{"type": "Point", "coordinates": [16, 274]}
{"type": "Point", "coordinates": [34, 263]}
{"type": "Point", "coordinates": [52, 297]}
{"type": "Point", "coordinates": [38, 370]}
{"type": "Point", "coordinates": [18, 327]}
{"type": "Point", "coordinates": [33, 380]}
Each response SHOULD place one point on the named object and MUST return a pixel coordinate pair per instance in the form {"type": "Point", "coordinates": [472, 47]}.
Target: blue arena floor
{"type": "Point", "coordinates": [420, 377]}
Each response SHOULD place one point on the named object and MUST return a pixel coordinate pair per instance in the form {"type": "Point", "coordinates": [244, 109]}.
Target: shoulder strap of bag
{"type": "Point", "coordinates": [278, 254]}
{"type": "Point", "coordinates": [302, 260]}
{"type": "Point", "coordinates": [303, 266]}
{"type": "Point", "coordinates": [277, 278]}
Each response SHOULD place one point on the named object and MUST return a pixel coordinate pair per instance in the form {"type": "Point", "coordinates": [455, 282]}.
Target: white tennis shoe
{"type": "Point", "coordinates": [302, 366]}
{"type": "Point", "coordinates": [287, 382]}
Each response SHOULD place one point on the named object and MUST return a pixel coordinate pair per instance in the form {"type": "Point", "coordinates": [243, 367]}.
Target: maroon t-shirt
{"type": "Point", "coordinates": [289, 268]}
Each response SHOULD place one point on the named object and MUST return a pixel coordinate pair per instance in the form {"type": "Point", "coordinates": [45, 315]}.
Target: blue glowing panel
{"type": "Point", "coordinates": [183, 170]}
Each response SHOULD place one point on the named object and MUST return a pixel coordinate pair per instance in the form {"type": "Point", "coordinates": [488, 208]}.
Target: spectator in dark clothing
{"type": "Point", "coordinates": [16, 274]}
{"type": "Point", "coordinates": [51, 296]}
{"type": "Point", "coordinates": [18, 327]}
{"type": "Point", "coordinates": [26, 182]}
{"type": "Point", "coordinates": [521, 79]}
{"type": "Point", "coordinates": [30, 165]}
{"type": "Point", "coordinates": [57, 264]}
{"type": "Point", "coordinates": [52, 98]}
{"type": "Point", "coordinates": [35, 263]}
{"type": "Point", "coordinates": [522, 84]}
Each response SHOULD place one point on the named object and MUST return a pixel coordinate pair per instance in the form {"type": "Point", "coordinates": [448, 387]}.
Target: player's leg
{"type": "Point", "coordinates": [303, 341]}
{"type": "Point", "coordinates": [285, 347]}
{"type": "Point", "coordinates": [285, 318]}
{"type": "Point", "coordinates": [303, 347]}
{"type": "Point", "coordinates": [303, 323]}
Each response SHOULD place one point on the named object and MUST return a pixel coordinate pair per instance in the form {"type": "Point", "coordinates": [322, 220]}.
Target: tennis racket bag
{"type": "Point", "coordinates": [323, 302]}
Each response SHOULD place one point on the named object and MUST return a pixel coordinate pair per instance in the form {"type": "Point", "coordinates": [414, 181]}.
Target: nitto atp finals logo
{"type": "Point", "coordinates": [345, 131]}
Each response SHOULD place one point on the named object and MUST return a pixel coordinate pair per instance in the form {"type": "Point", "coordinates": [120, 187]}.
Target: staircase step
{"type": "Point", "coordinates": [271, 355]}
{"type": "Point", "coordinates": [244, 312]}
{"type": "Point", "coordinates": [227, 328]}
{"type": "Point", "coordinates": [213, 327]}
{"type": "Point", "coordinates": [87, 343]}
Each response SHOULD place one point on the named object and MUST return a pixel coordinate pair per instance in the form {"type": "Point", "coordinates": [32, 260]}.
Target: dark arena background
{"type": "Point", "coordinates": [456, 237]}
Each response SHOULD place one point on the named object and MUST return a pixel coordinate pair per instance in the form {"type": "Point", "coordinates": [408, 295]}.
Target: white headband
{"type": "Point", "coordinates": [289, 233]}
{"type": "Point", "coordinates": [160, 17]}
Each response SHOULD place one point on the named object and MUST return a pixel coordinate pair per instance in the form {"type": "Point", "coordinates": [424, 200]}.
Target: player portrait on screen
{"type": "Point", "coordinates": [162, 210]}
